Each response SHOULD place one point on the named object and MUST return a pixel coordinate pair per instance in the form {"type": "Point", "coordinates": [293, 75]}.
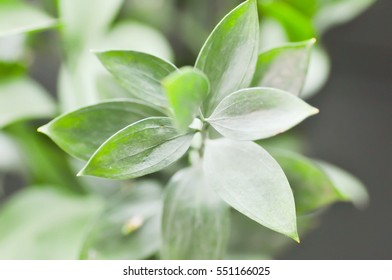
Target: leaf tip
{"type": "Point", "coordinates": [43, 129]}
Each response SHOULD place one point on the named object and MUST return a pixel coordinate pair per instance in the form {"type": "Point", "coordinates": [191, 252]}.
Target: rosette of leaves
{"type": "Point", "coordinates": [213, 112]}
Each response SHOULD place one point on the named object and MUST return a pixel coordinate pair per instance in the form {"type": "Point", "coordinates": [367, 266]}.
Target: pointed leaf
{"type": "Point", "coordinates": [186, 91]}
{"type": "Point", "coordinates": [80, 133]}
{"type": "Point", "coordinates": [17, 17]}
{"type": "Point", "coordinates": [257, 113]}
{"type": "Point", "coordinates": [140, 73]}
{"type": "Point", "coordinates": [252, 182]}
{"type": "Point", "coordinates": [195, 222]}
{"type": "Point", "coordinates": [312, 188]}
{"type": "Point", "coordinates": [346, 184]}
{"type": "Point", "coordinates": [284, 67]}
{"type": "Point", "coordinates": [142, 148]}
{"type": "Point", "coordinates": [129, 226]}
{"type": "Point", "coordinates": [229, 55]}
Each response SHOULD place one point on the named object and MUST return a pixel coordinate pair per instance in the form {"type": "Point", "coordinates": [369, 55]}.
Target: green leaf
{"type": "Point", "coordinates": [140, 73]}
{"type": "Point", "coordinates": [229, 55]}
{"type": "Point", "coordinates": [252, 182]}
{"type": "Point", "coordinates": [284, 67]}
{"type": "Point", "coordinates": [257, 113]}
{"type": "Point", "coordinates": [80, 133]}
{"type": "Point", "coordinates": [195, 222]}
{"type": "Point", "coordinates": [186, 91]}
{"type": "Point", "coordinates": [39, 223]}
{"type": "Point", "coordinates": [17, 17]}
{"type": "Point", "coordinates": [311, 186]}
{"type": "Point", "coordinates": [142, 148]}
{"type": "Point", "coordinates": [129, 226]}
{"type": "Point", "coordinates": [22, 98]}
{"type": "Point", "coordinates": [346, 184]}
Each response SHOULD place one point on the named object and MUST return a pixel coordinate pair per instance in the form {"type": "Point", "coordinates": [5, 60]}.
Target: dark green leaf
{"type": "Point", "coordinates": [186, 91]}
{"type": "Point", "coordinates": [284, 67]}
{"type": "Point", "coordinates": [195, 222]}
{"type": "Point", "coordinates": [129, 226]}
{"type": "Point", "coordinates": [139, 149]}
{"type": "Point", "coordinates": [80, 133]}
{"type": "Point", "coordinates": [39, 223]}
{"type": "Point", "coordinates": [252, 182]}
{"type": "Point", "coordinates": [140, 73]}
{"type": "Point", "coordinates": [257, 113]}
{"type": "Point", "coordinates": [229, 55]}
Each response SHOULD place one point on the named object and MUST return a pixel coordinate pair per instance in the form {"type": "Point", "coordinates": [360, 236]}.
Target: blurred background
{"type": "Point", "coordinates": [353, 129]}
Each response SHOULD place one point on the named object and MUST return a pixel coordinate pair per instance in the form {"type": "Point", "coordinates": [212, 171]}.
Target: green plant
{"type": "Point", "coordinates": [234, 92]}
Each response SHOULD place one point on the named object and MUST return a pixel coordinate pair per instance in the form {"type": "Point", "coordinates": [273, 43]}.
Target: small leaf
{"type": "Point", "coordinates": [140, 73]}
{"type": "Point", "coordinates": [195, 222]}
{"type": "Point", "coordinates": [22, 98]}
{"type": "Point", "coordinates": [186, 91]}
{"type": "Point", "coordinates": [129, 226]}
{"type": "Point", "coordinates": [312, 188]}
{"type": "Point", "coordinates": [257, 113]}
{"type": "Point", "coordinates": [346, 184]}
{"type": "Point", "coordinates": [229, 55]}
{"type": "Point", "coordinates": [17, 17]}
{"type": "Point", "coordinates": [80, 133]}
{"type": "Point", "coordinates": [284, 67]}
{"type": "Point", "coordinates": [252, 182]}
{"type": "Point", "coordinates": [142, 148]}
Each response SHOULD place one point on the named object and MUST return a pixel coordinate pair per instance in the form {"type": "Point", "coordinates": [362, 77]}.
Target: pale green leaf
{"type": "Point", "coordinates": [195, 222]}
{"type": "Point", "coordinates": [142, 148]}
{"type": "Point", "coordinates": [17, 17]}
{"type": "Point", "coordinates": [80, 133]}
{"type": "Point", "coordinates": [186, 90]}
{"type": "Point", "coordinates": [129, 226]}
{"type": "Point", "coordinates": [22, 98]}
{"type": "Point", "coordinates": [140, 73]}
{"type": "Point", "coordinates": [252, 182]}
{"type": "Point", "coordinates": [229, 55]}
{"type": "Point", "coordinates": [39, 223]}
{"type": "Point", "coordinates": [284, 67]}
{"type": "Point", "coordinates": [257, 113]}
{"type": "Point", "coordinates": [346, 184]}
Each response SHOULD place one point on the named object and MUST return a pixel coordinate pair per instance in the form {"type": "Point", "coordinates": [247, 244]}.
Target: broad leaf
{"type": "Point", "coordinates": [312, 188]}
{"type": "Point", "coordinates": [346, 184]}
{"type": "Point", "coordinates": [39, 223]}
{"type": "Point", "coordinates": [142, 148]}
{"type": "Point", "coordinates": [195, 222]}
{"type": "Point", "coordinates": [80, 133]}
{"type": "Point", "coordinates": [284, 67]}
{"type": "Point", "coordinates": [258, 113]}
{"type": "Point", "coordinates": [129, 226]}
{"type": "Point", "coordinates": [140, 73]}
{"type": "Point", "coordinates": [22, 98]}
{"type": "Point", "coordinates": [252, 182]}
{"type": "Point", "coordinates": [186, 91]}
{"type": "Point", "coordinates": [17, 17]}
{"type": "Point", "coordinates": [229, 55]}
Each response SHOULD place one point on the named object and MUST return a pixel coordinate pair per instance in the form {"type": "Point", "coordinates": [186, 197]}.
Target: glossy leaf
{"type": "Point", "coordinates": [252, 182]}
{"type": "Point", "coordinates": [80, 133]}
{"type": "Point", "coordinates": [140, 73]}
{"type": "Point", "coordinates": [129, 226]}
{"type": "Point", "coordinates": [346, 184]}
{"type": "Point", "coordinates": [142, 148]}
{"type": "Point", "coordinates": [258, 113]}
{"type": "Point", "coordinates": [195, 222]}
{"type": "Point", "coordinates": [186, 91]}
{"type": "Point", "coordinates": [312, 187]}
{"type": "Point", "coordinates": [17, 17]}
{"type": "Point", "coordinates": [39, 223]}
{"type": "Point", "coordinates": [22, 98]}
{"type": "Point", "coordinates": [229, 55]}
{"type": "Point", "coordinates": [284, 67]}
